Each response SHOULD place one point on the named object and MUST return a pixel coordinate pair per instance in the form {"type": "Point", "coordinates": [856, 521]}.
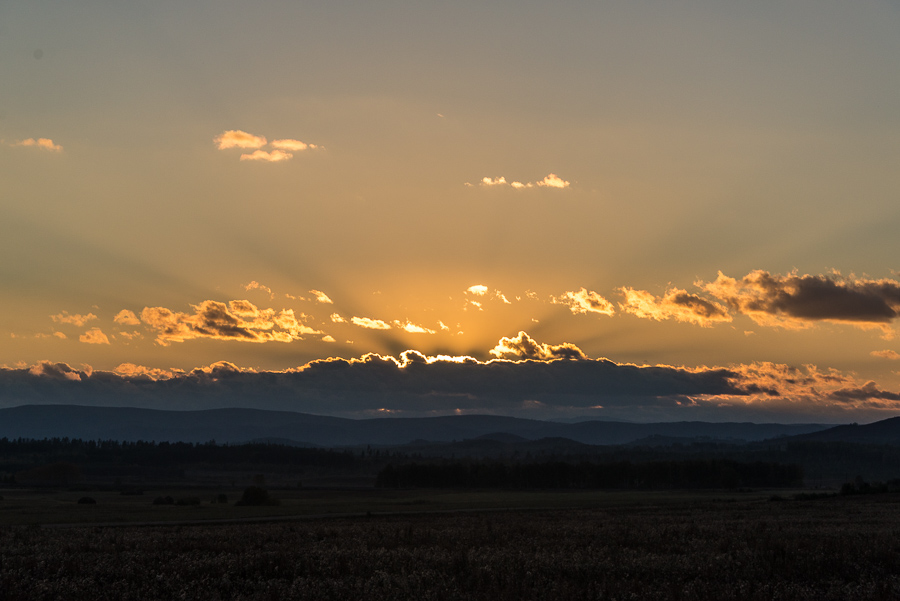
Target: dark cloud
{"type": "Point", "coordinates": [868, 392]}
{"type": "Point", "coordinates": [413, 383]}
{"type": "Point", "coordinates": [542, 381]}
{"type": "Point", "coordinates": [792, 299]}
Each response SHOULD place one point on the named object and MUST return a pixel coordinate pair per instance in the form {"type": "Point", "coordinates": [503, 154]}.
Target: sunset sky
{"type": "Point", "coordinates": [650, 211]}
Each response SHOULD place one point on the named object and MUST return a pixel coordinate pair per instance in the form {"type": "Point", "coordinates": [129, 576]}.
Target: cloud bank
{"type": "Point", "coordinates": [540, 380]}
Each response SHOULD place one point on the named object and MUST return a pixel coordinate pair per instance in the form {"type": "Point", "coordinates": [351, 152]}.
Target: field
{"type": "Point", "coordinates": [637, 546]}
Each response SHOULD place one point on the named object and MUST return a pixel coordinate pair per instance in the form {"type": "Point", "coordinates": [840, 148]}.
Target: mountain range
{"type": "Point", "coordinates": [243, 425]}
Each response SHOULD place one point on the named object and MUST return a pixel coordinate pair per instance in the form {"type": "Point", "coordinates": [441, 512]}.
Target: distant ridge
{"type": "Point", "coordinates": [886, 432]}
{"type": "Point", "coordinates": [242, 425]}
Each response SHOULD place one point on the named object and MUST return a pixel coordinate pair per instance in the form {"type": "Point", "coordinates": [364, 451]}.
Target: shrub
{"type": "Point", "coordinates": [188, 501]}
{"type": "Point", "coordinates": [256, 495]}
{"type": "Point", "coordinates": [87, 501]}
{"type": "Point", "coordinates": [164, 500]}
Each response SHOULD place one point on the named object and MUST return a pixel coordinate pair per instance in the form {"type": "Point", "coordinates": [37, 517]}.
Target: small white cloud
{"type": "Point", "coordinates": [372, 324]}
{"type": "Point", "coordinates": [553, 181]}
{"type": "Point", "coordinates": [321, 297]}
{"type": "Point", "coordinates": [550, 181]}
{"type": "Point", "coordinates": [295, 145]}
{"type": "Point", "coordinates": [42, 143]}
{"type": "Point", "coordinates": [235, 138]}
{"type": "Point", "coordinates": [270, 157]}
{"type": "Point", "coordinates": [413, 328]}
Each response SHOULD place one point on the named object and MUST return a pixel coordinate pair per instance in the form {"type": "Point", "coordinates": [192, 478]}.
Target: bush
{"type": "Point", "coordinates": [188, 501]}
{"type": "Point", "coordinates": [87, 501]}
{"type": "Point", "coordinates": [256, 495]}
{"type": "Point", "coordinates": [164, 501]}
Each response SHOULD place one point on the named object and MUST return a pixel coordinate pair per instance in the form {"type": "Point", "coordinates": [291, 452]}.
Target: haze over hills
{"type": "Point", "coordinates": [242, 425]}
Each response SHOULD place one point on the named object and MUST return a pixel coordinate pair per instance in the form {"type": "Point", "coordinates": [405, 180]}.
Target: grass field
{"type": "Point", "coordinates": [42, 507]}
{"type": "Point", "coordinates": [644, 546]}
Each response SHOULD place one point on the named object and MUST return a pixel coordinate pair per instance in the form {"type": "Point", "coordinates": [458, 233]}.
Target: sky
{"type": "Point", "coordinates": [643, 210]}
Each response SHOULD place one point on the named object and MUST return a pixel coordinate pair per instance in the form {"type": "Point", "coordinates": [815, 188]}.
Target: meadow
{"type": "Point", "coordinates": [673, 546]}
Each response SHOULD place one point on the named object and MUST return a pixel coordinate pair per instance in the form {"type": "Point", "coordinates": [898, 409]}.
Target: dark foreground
{"type": "Point", "coordinates": [840, 548]}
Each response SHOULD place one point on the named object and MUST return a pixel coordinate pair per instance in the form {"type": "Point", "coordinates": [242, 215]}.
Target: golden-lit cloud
{"type": "Point", "coordinates": [482, 291]}
{"type": "Point", "coordinates": [126, 318]}
{"type": "Point", "coordinates": [412, 328]}
{"type": "Point", "coordinates": [553, 181]}
{"type": "Point", "coordinates": [130, 370]}
{"type": "Point", "coordinates": [336, 318]}
{"type": "Point", "coordinates": [75, 320]}
{"type": "Point", "coordinates": [675, 304]}
{"type": "Point", "coordinates": [41, 143]}
{"type": "Point", "coordinates": [274, 156]}
{"type": "Point", "coordinates": [795, 301]}
{"type": "Point", "coordinates": [235, 138]}
{"type": "Point", "coordinates": [550, 181]}
{"type": "Point", "coordinates": [886, 354]}
{"type": "Point", "coordinates": [292, 145]}
{"type": "Point", "coordinates": [321, 297]}
{"type": "Point", "coordinates": [239, 320]}
{"type": "Point", "coordinates": [584, 301]}
{"type": "Point", "coordinates": [372, 324]}
{"type": "Point", "coordinates": [328, 338]}
{"type": "Point", "coordinates": [94, 336]}
{"type": "Point", "coordinates": [254, 285]}
{"type": "Point", "coordinates": [524, 346]}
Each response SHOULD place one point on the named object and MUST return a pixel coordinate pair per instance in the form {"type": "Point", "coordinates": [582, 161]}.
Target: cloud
{"type": "Point", "coordinates": [675, 304]}
{"type": "Point", "coordinates": [94, 336]}
{"type": "Point", "coordinates": [480, 290]}
{"type": "Point", "coordinates": [127, 318]}
{"type": "Point", "coordinates": [886, 354]}
{"type": "Point", "coordinates": [553, 181]}
{"type": "Point", "coordinates": [584, 301]}
{"type": "Point", "coordinates": [336, 318]}
{"type": "Point", "coordinates": [132, 371]}
{"type": "Point", "coordinates": [550, 181]}
{"type": "Point", "coordinates": [239, 320]}
{"type": "Point", "coordinates": [372, 324]}
{"type": "Point", "coordinates": [538, 382]}
{"type": "Point", "coordinates": [795, 301]}
{"type": "Point", "coordinates": [524, 346]}
{"type": "Point", "coordinates": [254, 285]}
{"type": "Point", "coordinates": [294, 145]}
{"type": "Point", "coordinates": [321, 297]}
{"type": "Point", "coordinates": [274, 156]}
{"type": "Point", "coordinates": [75, 320]}
{"type": "Point", "coordinates": [412, 328]}
{"type": "Point", "coordinates": [41, 143]}
{"type": "Point", "coordinates": [235, 138]}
